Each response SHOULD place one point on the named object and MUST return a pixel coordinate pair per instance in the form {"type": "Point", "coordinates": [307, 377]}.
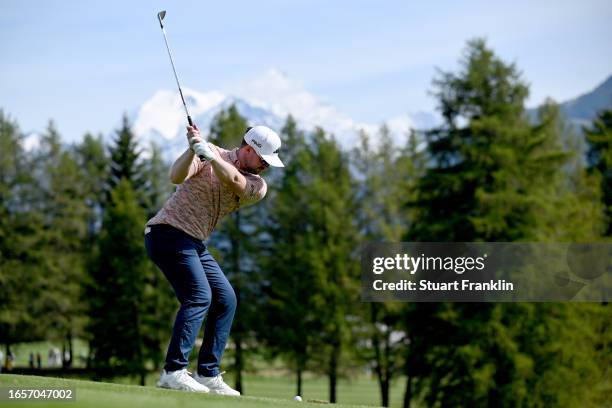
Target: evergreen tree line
{"type": "Point", "coordinates": [72, 261]}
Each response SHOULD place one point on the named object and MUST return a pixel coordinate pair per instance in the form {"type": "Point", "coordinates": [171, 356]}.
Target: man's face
{"type": "Point", "coordinates": [253, 163]}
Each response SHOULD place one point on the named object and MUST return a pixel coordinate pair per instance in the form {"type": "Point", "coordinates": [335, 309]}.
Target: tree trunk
{"type": "Point", "coordinates": [386, 369]}
{"type": "Point", "coordinates": [333, 373]}
{"type": "Point", "coordinates": [70, 348]}
{"type": "Point", "coordinates": [384, 389]}
{"type": "Point", "coordinates": [64, 361]}
{"type": "Point", "coordinates": [382, 362]}
{"type": "Point", "coordinates": [408, 393]}
{"type": "Point", "coordinates": [299, 380]}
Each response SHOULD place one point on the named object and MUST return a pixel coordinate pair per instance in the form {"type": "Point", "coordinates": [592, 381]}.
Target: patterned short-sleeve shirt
{"type": "Point", "coordinates": [202, 199]}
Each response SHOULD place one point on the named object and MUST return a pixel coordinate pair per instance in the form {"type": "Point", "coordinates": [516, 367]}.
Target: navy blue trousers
{"type": "Point", "coordinates": [200, 287]}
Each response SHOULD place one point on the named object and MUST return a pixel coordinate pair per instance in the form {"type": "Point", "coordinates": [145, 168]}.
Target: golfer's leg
{"type": "Point", "coordinates": [179, 260]}
{"type": "Point", "coordinates": [219, 320]}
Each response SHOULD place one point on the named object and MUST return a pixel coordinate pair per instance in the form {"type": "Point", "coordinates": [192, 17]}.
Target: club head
{"type": "Point", "coordinates": [160, 17]}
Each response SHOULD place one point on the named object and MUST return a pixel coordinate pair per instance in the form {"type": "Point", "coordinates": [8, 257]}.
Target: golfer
{"type": "Point", "coordinates": [175, 241]}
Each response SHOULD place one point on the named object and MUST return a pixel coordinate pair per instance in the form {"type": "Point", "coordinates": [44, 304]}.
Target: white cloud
{"type": "Point", "coordinates": [282, 95]}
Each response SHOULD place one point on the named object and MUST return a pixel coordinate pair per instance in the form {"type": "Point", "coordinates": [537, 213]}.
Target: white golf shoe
{"type": "Point", "coordinates": [180, 380]}
{"type": "Point", "coordinates": [217, 385]}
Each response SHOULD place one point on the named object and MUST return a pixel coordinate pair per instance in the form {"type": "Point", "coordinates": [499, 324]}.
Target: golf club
{"type": "Point", "coordinates": [160, 17]}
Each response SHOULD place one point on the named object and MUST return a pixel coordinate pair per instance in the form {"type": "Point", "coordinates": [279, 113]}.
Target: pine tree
{"type": "Point", "coordinates": [599, 159]}
{"type": "Point", "coordinates": [388, 175]}
{"type": "Point", "coordinates": [492, 176]}
{"type": "Point", "coordinates": [125, 161]}
{"type": "Point", "coordinates": [92, 158]}
{"type": "Point", "coordinates": [311, 271]}
{"type": "Point", "coordinates": [489, 168]}
{"type": "Point", "coordinates": [227, 128]}
{"type": "Point", "coordinates": [61, 198]}
{"type": "Point", "coordinates": [330, 244]}
{"type": "Point", "coordinates": [124, 335]}
{"type": "Point", "coordinates": [93, 161]}
{"type": "Point", "coordinates": [291, 324]}
{"type": "Point", "coordinates": [117, 293]}
{"type": "Point", "coordinates": [20, 276]}
{"type": "Point", "coordinates": [571, 194]}
{"type": "Point", "coordinates": [157, 185]}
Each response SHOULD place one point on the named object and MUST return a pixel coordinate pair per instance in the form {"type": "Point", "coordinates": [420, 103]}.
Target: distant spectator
{"type": "Point", "coordinates": [58, 356]}
{"type": "Point", "coordinates": [10, 359]}
{"type": "Point", "coordinates": [83, 358]}
{"type": "Point", "coordinates": [38, 360]}
{"type": "Point", "coordinates": [2, 362]}
{"type": "Point", "coordinates": [67, 358]}
{"type": "Point", "coordinates": [54, 359]}
{"type": "Point", "coordinates": [31, 360]}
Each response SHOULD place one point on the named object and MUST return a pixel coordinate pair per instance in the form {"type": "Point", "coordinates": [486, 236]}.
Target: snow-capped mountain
{"type": "Point", "coordinates": [162, 118]}
{"type": "Point", "coordinates": [267, 100]}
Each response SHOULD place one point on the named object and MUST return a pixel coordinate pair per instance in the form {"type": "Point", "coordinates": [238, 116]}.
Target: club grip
{"type": "Point", "coordinates": [202, 158]}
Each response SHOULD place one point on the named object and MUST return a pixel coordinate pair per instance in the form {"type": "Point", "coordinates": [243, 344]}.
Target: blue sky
{"type": "Point", "coordinates": [83, 63]}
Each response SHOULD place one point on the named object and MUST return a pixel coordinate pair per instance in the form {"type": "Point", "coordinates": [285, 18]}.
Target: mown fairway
{"type": "Point", "coordinates": [360, 390]}
{"type": "Point", "coordinates": [94, 394]}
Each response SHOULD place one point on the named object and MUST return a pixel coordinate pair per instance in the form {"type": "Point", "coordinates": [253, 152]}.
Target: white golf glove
{"type": "Point", "coordinates": [198, 145]}
{"type": "Point", "coordinates": [203, 150]}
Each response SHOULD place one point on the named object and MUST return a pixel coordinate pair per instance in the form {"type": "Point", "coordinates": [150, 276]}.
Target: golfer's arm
{"type": "Point", "coordinates": [180, 169]}
{"type": "Point", "coordinates": [230, 176]}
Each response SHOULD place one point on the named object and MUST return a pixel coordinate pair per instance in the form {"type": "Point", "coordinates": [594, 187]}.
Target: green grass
{"type": "Point", "coordinates": [96, 395]}
{"type": "Point", "coordinates": [267, 379]}
{"type": "Point", "coordinates": [361, 390]}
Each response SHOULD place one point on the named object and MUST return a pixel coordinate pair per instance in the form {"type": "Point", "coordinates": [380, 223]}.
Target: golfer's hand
{"type": "Point", "coordinates": [199, 145]}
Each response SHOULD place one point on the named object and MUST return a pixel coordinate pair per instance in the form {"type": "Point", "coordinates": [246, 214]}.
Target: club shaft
{"type": "Point", "coordinates": [176, 77]}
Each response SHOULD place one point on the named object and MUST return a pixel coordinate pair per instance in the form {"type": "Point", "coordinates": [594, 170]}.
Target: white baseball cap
{"type": "Point", "coordinates": [266, 143]}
